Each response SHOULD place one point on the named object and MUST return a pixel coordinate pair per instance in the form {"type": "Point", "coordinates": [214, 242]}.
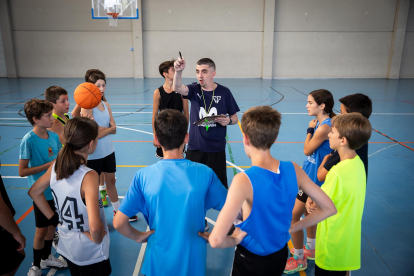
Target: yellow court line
{"type": "Point", "coordinates": [240, 126]}
{"type": "Point", "coordinates": [119, 166]}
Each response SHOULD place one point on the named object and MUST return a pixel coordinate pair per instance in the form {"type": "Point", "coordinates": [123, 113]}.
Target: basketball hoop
{"type": "Point", "coordinates": [113, 19]}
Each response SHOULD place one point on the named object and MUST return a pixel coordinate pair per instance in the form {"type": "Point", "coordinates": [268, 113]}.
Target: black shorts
{"type": "Point", "coordinates": [102, 269]}
{"type": "Point", "coordinates": [302, 196]}
{"type": "Point", "coordinates": [248, 263]}
{"type": "Point", "coordinates": [322, 272]}
{"type": "Point", "coordinates": [106, 164]}
{"type": "Point", "coordinates": [9, 256]}
{"type": "Point", "coordinates": [214, 160]}
{"type": "Point", "coordinates": [40, 219]}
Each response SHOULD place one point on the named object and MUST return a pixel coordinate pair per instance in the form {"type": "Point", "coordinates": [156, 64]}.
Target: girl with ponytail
{"type": "Point", "coordinates": [320, 104]}
{"type": "Point", "coordinates": [80, 217]}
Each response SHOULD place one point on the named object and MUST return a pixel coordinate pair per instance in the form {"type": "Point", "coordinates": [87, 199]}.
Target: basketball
{"type": "Point", "coordinates": [87, 95]}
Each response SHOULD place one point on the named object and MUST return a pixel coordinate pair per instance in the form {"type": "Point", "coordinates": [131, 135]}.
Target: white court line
{"type": "Point", "coordinates": [136, 130]}
{"type": "Point", "coordinates": [126, 112]}
{"type": "Point", "coordinates": [385, 149]}
{"type": "Point", "coordinates": [211, 221]}
{"type": "Point", "coordinates": [140, 257]}
{"type": "Point", "coordinates": [132, 112]}
{"type": "Point", "coordinates": [231, 164]}
{"type": "Point", "coordinates": [382, 149]}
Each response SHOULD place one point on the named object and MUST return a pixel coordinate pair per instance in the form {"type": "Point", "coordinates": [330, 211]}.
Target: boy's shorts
{"type": "Point", "coordinates": [322, 272]}
{"type": "Point", "coordinates": [102, 268]}
{"type": "Point", "coordinates": [9, 256]}
{"type": "Point", "coordinates": [302, 196]}
{"type": "Point", "coordinates": [248, 263]}
{"type": "Point", "coordinates": [40, 219]}
{"type": "Point", "coordinates": [106, 164]}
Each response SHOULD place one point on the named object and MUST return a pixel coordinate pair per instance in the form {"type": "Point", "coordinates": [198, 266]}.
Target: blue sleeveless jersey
{"type": "Point", "coordinates": [274, 196]}
{"type": "Point", "coordinates": [312, 162]}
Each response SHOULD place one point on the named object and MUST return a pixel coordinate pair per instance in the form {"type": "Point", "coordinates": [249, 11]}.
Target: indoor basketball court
{"type": "Point", "coordinates": [268, 52]}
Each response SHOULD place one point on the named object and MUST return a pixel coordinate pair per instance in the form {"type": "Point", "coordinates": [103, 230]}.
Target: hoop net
{"type": "Point", "coordinates": [113, 19]}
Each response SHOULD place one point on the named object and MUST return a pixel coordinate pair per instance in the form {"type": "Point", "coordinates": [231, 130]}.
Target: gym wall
{"type": "Point", "coordinates": [3, 71]}
{"type": "Point", "coordinates": [310, 39]}
{"type": "Point", "coordinates": [407, 61]}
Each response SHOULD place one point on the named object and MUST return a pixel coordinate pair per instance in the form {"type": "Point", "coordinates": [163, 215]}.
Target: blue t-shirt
{"type": "Point", "coordinates": [174, 196]}
{"type": "Point", "coordinates": [213, 140]}
{"type": "Point", "coordinates": [274, 196]}
{"type": "Point", "coordinates": [312, 162]}
{"type": "Point", "coordinates": [39, 152]}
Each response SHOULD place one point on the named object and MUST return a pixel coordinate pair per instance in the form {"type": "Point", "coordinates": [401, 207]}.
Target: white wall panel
{"type": "Point", "coordinates": [197, 15]}
{"type": "Point", "coordinates": [410, 22]}
{"type": "Point", "coordinates": [331, 54]}
{"type": "Point", "coordinates": [335, 15]}
{"type": "Point", "coordinates": [407, 61]}
{"type": "Point", "coordinates": [70, 54]}
{"type": "Point", "coordinates": [3, 70]}
{"type": "Point", "coordinates": [236, 54]}
{"type": "Point", "coordinates": [51, 15]}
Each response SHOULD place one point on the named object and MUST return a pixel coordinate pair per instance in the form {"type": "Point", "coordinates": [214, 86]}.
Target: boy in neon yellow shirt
{"type": "Point", "coordinates": [338, 238]}
{"type": "Point", "coordinates": [59, 99]}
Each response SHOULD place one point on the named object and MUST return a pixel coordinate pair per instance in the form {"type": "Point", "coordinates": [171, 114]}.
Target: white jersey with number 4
{"type": "Point", "coordinates": [73, 220]}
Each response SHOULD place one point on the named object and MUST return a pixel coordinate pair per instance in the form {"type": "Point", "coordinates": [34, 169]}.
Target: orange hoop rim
{"type": "Point", "coordinates": [113, 14]}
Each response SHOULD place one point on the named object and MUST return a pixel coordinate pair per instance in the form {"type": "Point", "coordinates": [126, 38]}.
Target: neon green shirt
{"type": "Point", "coordinates": [338, 238]}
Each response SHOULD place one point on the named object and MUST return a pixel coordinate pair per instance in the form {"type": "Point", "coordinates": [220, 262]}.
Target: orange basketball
{"type": "Point", "coordinates": [87, 95]}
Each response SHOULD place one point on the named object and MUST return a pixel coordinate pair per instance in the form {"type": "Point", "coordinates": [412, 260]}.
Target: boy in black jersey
{"type": "Point", "coordinates": [166, 98]}
{"type": "Point", "coordinates": [358, 103]}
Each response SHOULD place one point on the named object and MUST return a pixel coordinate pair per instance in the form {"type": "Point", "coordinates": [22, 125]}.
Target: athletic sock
{"type": "Point", "coordinates": [299, 253]}
{"type": "Point", "coordinates": [311, 244]}
{"type": "Point", "coordinates": [47, 249]}
{"type": "Point", "coordinates": [116, 205]}
{"type": "Point", "coordinates": [103, 187]}
{"type": "Point", "coordinates": [37, 256]}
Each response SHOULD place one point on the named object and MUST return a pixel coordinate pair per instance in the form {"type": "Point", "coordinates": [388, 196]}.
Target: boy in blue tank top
{"type": "Point", "coordinates": [260, 201]}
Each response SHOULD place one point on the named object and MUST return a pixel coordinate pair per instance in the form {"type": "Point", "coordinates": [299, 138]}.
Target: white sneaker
{"type": "Point", "coordinates": [34, 271]}
{"type": "Point", "coordinates": [52, 261]}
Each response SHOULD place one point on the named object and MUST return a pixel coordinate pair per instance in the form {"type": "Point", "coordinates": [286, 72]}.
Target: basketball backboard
{"type": "Point", "coordinates": [126, 9]}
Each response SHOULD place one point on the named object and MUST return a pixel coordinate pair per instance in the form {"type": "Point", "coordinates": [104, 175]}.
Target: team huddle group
{"type": "Point", "coordinates": [70, 164]}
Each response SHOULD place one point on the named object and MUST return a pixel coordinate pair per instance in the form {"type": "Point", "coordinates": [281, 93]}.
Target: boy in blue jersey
{"type": "Point", "coordinates": [174, 195]}
{"type": "Point", "coordinates": [38, 150]}
{"type": "Point", "coordinates": [260, 201]}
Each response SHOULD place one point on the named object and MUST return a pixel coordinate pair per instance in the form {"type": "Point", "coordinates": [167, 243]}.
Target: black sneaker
{"type": "Point", "coordinates": [133, 218]}
{"type": "Point", "coordinates": [207, 227]}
